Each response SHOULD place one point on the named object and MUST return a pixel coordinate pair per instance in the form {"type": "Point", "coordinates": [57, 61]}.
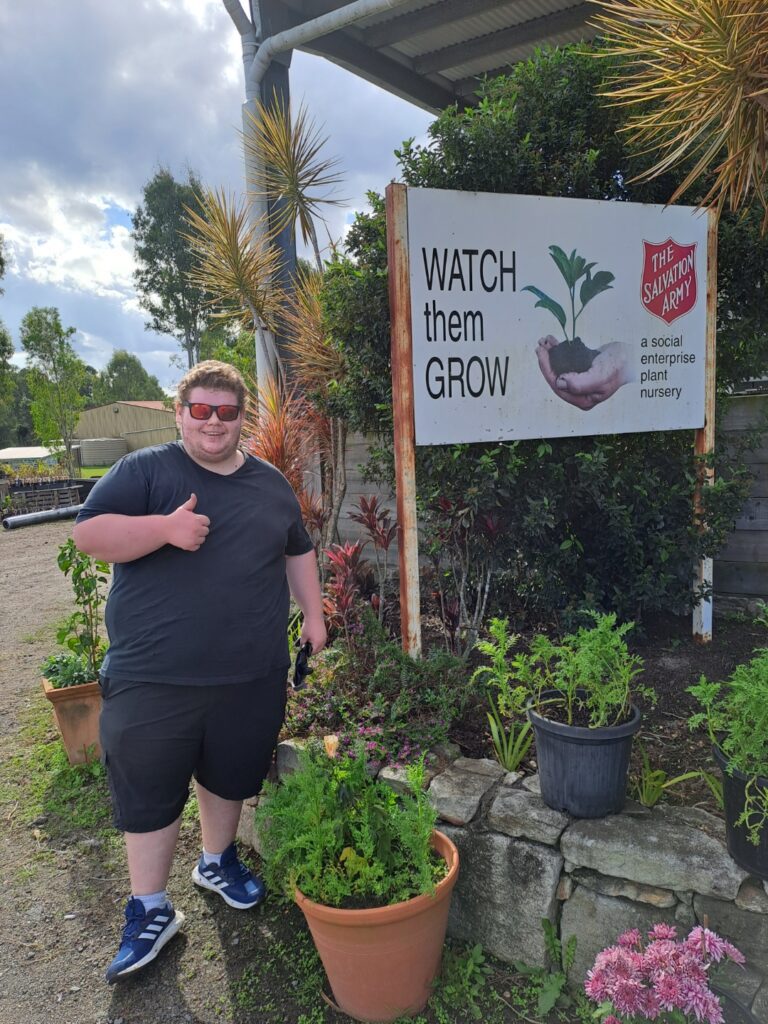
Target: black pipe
{"type": "Point", "coordinates": [48, 516]}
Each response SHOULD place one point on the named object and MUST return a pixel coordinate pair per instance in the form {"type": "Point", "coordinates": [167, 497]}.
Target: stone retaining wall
{"type": "Point", "coordinates": [522, 861]}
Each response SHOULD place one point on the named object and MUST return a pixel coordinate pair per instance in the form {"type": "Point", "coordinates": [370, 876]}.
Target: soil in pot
{"type": "Point", "coordinates": [571, 356]}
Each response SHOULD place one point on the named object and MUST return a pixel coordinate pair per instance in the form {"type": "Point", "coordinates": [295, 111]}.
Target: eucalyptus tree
{"type": "Point", "coordinates": [124, 379]}
{"type": "Point", "coordinates": [176, 305]}
{"type": "Point", "coordinates": [56, 378]}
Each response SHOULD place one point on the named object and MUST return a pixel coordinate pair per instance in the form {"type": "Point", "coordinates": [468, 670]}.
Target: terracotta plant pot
{"type": "Point", "coordinates": [381, 962]}
{"type": "Point", "coordinates": [76, 710]}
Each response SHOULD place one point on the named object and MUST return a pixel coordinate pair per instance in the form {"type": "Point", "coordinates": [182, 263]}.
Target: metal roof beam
{"type": "Point", "coordinates": [403, 26]}
{"type": "Point", "coordinates": [533, 31]}
{"type": "Point", "coordinates": [375, 67]}
{"type": "Point", "coordinates": [382, 71]}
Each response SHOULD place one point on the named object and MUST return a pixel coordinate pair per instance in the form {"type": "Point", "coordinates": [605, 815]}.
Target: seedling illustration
{"type": "Point", "coordinates": [572, 355]}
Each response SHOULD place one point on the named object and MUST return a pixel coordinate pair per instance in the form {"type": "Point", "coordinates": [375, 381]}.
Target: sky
{"type": "Point", "coordinates": [95, 97]}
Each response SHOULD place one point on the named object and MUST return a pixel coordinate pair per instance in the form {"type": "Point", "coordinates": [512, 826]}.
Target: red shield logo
{"type": "Point", "coordinates": [668, 289]}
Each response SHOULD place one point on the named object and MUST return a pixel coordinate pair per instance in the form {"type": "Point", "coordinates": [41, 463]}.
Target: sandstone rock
{"type": "Point", "coordinates": [288, 756]}
{"type": "Point", "coordinates": [598, 920]}
{"type": "Point", "coordinates": [753, 897]}
{"type": "Point", "coordinates": [747, 931]}
{"type": "Point", "coordinates": [246, 830]}
{"type": "Point", "coordinates": [760, 1005]}
{"type": "Point", "coordinates": [565, 888]}
{"type": "Point", "coordinates": [532, 784]}
{"type": "Point", "coordinates": [661, 850]}
{"type": "Point", "coordinates": [505, 887]}
{"type": "Point", "coordinates": [741, 982]}
{"type": "Point", "coordinates": [456, 793]}
{"type": "Point", "coordinates": [519, 813]}
{"type": "Point", "coordinates": [397, 779]}
{"type": "Point", "coordinates": [608, 886]}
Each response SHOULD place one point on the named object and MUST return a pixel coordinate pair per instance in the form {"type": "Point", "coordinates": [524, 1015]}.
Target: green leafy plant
{"type": "Point", "coordinates": [573, 268]}
{"type": "Point", "coordinates": [511, 732]}
{"type": "Point", "coordinates": [345, 839]}
{"type": "Point", "coordinates": [735, 714]}
{"type": "Point", "coordinates": [81, 632]}
{"type": "Point", "coordinates": [589, 675]}
{"type": "Point", "coordinates": [649, 785]}
{"type": "Point", "coordinates": [462, 981]}
{"type": "Point", "coordinates": [551, 982]}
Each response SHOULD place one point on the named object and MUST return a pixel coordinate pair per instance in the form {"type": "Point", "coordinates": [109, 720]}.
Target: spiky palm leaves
{"type": "Point", "coordinates": [233, 262]}
{"type": "Point", "coordinates": [293, 175]}
{"type": "Point", "coordinates": [699, 71]}
{"type": "Point", "coordinates": [316, 366]}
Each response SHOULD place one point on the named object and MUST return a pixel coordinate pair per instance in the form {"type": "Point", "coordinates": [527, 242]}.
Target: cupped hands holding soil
{"type": "Point", "coordinates": [582, 376]}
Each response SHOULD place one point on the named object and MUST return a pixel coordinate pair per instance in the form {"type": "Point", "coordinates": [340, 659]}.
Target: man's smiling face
{"type": "Point", "coordinates": [210, 442]}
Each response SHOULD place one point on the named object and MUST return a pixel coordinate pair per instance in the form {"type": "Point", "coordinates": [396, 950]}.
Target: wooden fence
{"type": "Point", "coordinates": [741, 568]}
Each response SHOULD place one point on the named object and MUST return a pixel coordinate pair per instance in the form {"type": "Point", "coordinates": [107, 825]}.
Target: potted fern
{"type": "Point", "coordinates": [370, 873]}
{"type": "Point", "coordinates": [583, 716]}
{"type": "Point", "coordinates": [70, 678]}
{"type": "Point", "coordinates": [735, 714]}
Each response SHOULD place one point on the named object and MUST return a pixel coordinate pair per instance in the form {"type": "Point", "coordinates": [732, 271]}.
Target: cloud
{"type": "Point", "coordinates": [103, 95]}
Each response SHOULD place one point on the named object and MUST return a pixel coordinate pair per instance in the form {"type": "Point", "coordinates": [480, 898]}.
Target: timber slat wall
{"type": "Point", "coordinates": [741, 568]}
{"type": "Point", "coordinates": [357, 455]}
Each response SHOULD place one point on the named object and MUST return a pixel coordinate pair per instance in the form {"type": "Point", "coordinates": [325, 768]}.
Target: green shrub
{"type": "Point", "coordinates": [345, 839]}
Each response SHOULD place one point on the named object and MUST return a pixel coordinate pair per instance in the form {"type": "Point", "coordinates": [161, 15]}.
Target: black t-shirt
{"type": "Point", "coordinates": [216, 615]}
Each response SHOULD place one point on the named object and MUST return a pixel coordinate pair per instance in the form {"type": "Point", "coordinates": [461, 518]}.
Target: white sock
{"type": "Point", "coordinates": [211, 858]}
{"type": "Point", "coordinates": [154, 900]}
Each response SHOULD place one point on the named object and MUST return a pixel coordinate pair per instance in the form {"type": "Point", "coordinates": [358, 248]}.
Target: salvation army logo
{"type": "Point", "coordinates": [668, 288]}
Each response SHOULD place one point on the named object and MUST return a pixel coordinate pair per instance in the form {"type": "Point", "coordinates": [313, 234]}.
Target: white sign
{"type": "Point", "coordinates": [540, 317]}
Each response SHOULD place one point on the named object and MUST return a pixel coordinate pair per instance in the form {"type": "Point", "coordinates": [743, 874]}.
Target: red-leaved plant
{"type": "Point", "coordinates": [659, 979]}
{"type": "Point", "coordinates": [341, 599]}
{"type": "Point", "coordinates": [381, 530]}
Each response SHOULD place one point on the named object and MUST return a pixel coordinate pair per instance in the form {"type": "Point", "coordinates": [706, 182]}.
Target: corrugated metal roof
{"type": "Point", "coordinates": [432, 52]}
{"type": "Point", "coordinates": [157, 404]}
{"type": "Point", "coordinates": [7, 454]}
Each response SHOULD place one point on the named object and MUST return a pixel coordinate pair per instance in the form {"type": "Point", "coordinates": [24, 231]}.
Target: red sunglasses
{"type": "Point", "coordinates": [204, 411]}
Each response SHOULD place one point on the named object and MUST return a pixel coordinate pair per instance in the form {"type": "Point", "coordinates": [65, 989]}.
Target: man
{"type": "Point", "coordinates": [206, 542]}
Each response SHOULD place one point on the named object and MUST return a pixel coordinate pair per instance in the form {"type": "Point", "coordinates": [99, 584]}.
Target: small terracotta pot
{"type": "Point", "coordinates": [76, 710]}
{"type": "Point", "coordinates": [381, 962]}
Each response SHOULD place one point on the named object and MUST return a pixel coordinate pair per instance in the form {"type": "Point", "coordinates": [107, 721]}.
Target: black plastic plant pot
{"type": "Point", "coordinates": [753, 859]}
{"type": "Point", "coordinates": [583, 771]}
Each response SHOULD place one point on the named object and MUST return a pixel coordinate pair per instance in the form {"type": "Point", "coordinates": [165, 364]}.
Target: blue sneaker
{"type": "Point", "coordinates": [144, 936]}
{"type": "Point", "coordinates": [231, 879]}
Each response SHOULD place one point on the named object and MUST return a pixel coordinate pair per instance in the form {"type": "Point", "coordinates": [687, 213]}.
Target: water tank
{"type": "Point", "coordinates": [102, 451]}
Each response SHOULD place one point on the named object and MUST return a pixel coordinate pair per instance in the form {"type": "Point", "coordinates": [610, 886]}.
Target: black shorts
{"type": "Point", "coordinates": [156, 737]}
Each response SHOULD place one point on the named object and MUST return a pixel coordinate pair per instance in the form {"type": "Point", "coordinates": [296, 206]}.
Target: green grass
{"type": "Point", "coordinates": [87, 472]}
{"type": "Point", "coordinates": [38, 782]}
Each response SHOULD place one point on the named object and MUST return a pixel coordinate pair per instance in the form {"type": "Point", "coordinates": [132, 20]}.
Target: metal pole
{"type": "Point", "coordinates": [297, 36]}
{"type": "Point", "coordinates": [704, 443]}
{"type": "Point", "coordinates": [402, 407]}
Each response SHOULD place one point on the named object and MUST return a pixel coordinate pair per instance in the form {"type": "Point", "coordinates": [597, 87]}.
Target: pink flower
{"type": "Point", "coordinates": [663, 976]}
{"type": "Point", "coordinates": [709, 944]}
{"type": "Point", "coordinates": [630, 938]}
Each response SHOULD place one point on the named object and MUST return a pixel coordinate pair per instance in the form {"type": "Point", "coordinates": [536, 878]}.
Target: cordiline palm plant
{"type": "Point", "coordinates": [281, 428]}
{"type": "Point", "coordinates": [698, 72]}
{"type": "Point", "coordinates": [293, 171]}
{"type": "Point", "coordinates": [316, 366]}
{"type": "Point", "coordinates": [234, 263]}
